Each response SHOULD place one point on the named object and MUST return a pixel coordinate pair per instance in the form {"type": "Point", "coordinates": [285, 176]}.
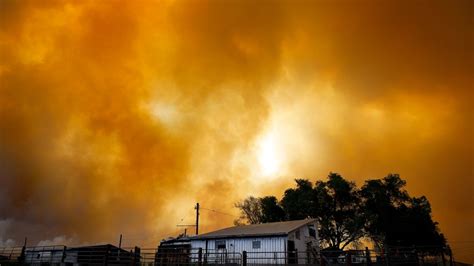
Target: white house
{"type": "Point", "coordinates": [268, 243]}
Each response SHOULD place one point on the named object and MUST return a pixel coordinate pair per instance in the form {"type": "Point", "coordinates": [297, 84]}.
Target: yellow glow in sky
{"type": "Point", "coordinates": [124, 114]}
{"type": "Point", "coordinates": [268, 155]}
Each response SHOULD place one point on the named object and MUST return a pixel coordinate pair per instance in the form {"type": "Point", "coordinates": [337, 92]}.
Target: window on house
{"type": "Point", "coordinates": [220, 244]}
{"type": "Point", "coordinates": [297, 234]}
{"type": "Point", "coordinates": [312, 230]}
{"type": "Point", "coordinates": [256, 244]}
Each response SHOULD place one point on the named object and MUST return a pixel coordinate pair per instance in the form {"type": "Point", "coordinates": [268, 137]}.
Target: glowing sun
{"type": "Point", "coordinates": [268, 158]}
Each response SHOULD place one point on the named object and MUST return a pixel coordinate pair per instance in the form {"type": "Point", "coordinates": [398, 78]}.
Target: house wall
{"type": "Point", "coordinates": [301, 243]}
{"type": "Point", "coordinates": [272, 249]}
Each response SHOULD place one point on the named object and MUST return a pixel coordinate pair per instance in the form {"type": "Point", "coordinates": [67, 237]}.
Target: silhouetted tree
{"type": "Point", "coordinates": [271, 210]}
{"type": "Point", "coordinates": [381, 198]}
{"type": "Point", "coordinates": [393, 218]}
{"type": "Point", "coordinates": [250, 211]}
{"type": "Point", "coordinates": [381, 210]}
{"type": "Point", "coordinates": [338, 212]}
{"type": "Point", "coordinates": [300, 202]}
{"type": "Point", "coordinates": [259, 210]}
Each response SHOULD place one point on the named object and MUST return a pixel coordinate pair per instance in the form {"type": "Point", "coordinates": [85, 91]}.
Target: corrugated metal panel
{"type": "Point", "coordinates": [267, 244]}
{"type": "Point", "coordinates": [198, 244]}
{"type": "Point", "coordinates": [274, 248]}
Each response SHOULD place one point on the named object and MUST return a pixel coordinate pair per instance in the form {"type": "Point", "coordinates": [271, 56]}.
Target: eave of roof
{"type": "Point", "coordinates": [100, 247]}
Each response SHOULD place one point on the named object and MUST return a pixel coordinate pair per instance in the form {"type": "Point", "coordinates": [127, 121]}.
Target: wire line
{"type": "Point", "coordinates": [220, 212]}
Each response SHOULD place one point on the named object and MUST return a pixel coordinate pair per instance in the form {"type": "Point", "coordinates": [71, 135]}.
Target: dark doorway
{"type": "Point", "coordinates": [292, 256]}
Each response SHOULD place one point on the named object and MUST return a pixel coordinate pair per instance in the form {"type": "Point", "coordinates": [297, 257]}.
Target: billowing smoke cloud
{"type": "Point", "coordinates": [4, 226]}
{"type": "Point", "coordinates": [116, 117]}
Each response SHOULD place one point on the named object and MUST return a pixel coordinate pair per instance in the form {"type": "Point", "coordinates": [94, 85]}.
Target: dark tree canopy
{"type": "Point", "coordinates": [381, 210]}
{"type": "Point", "coordinates": [338, 211]}
{"type": "Point", "coordinates": [394, 218]}
{"type": "Point", "coordinates": [250, 211]}
{"type": "Point", "coordinates": [271, 210]}
{"type": "Point", "coordinates": [260, 210]}
{"type": "Point", "coordinates": [300, 202]}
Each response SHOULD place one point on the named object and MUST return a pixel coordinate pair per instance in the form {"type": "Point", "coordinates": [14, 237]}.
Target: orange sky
{"type": "Point", "coordinates": [117, 116]}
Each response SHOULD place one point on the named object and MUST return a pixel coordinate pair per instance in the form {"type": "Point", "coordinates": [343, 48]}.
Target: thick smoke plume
{"type": "Point", "coordinates": [117, 116]}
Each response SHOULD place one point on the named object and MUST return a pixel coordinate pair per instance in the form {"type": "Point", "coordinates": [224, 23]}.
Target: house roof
{"type": "Point", "coordinates": [266, 229]}
{"type": "Point", "coordinates": [100, 247]}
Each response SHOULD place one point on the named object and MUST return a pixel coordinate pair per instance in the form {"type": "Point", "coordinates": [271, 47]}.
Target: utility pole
{"type": "Point", "coordinates": [197, 221]}
{"type": "Point", "coordinates": [197, 218]}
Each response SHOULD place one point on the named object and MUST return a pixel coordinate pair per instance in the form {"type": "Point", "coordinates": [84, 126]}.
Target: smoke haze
{"type": "Point", "coordinates": [118, 116]}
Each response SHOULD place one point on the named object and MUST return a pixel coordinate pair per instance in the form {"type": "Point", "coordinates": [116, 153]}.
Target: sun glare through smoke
{"type": "Point", "coordinates": [268, 156]}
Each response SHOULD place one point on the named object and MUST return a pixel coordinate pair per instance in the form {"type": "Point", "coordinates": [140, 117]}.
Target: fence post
{"type": "Point", "coordinates": [348, 258]}
{"type": "Point", "coordinates": [322, 258]}
{"type": "Point", "coordinates": [22, 257]}
{"type": "Point", "coordinates": [64, 254]}
{"type": "Point", "coordinates": [200, 256]}
{"type": "Point", "coordinates": [296, 256]}
{"type": "Point", "coordinates": [106, 256]}
{"type": "Point", "coordinates": [442, 257]}
{"type": "Point", "coordinates": [367, 256]}
{"type": "Point", "coordinates": [417, 257]}
{"type": "Point", "coordinates": [136, 256]}
{"type": "Point", "coordinates": [450, 256]}
{"type": "Point", "coordinates": [244, 258]}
